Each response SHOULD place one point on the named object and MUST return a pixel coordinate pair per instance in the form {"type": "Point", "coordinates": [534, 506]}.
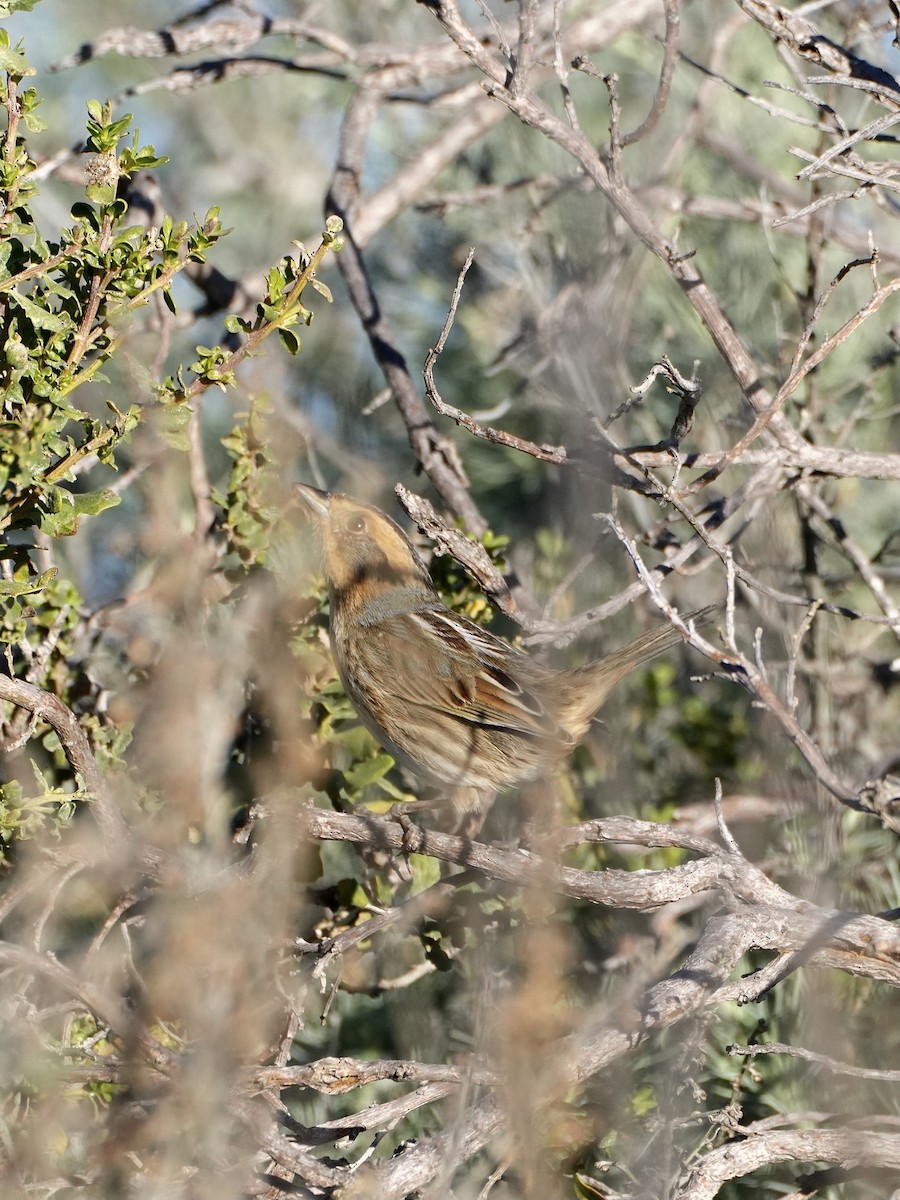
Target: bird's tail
{"type": "Point", "coordinates": [586, 688]}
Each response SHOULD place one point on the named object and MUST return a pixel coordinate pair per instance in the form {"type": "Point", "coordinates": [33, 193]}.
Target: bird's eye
{"type": "Point", "coordinates": [356, 525]}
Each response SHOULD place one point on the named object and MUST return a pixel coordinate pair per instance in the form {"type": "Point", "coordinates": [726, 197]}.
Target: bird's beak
{"type": "Point", "coordinates": [316, 502]}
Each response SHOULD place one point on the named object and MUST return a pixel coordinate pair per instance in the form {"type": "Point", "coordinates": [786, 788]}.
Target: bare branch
{"type": "Point", "coordinates": [49, 708]}
{"type": "Point", "coordinates": [848, 1148]}
{"type": "Point", "coordinates": [805, 39]}
{"type": "Point", "coordinates": [821, 1060]}
{"type": "Point", "coordinates": [435, 453]}
{"type": "Point", "coordinates": [554, 454]}
{"type": "Point", "coordinates": [670, 57]}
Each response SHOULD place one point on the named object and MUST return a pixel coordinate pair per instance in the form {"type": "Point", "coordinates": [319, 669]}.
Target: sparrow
{"type": "Point", "coordinates": [459, 707]}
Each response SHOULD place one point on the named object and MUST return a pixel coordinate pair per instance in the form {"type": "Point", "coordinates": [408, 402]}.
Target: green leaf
{"type": "Point", "coordinates": [14, 62]}
{"type": "Point", "coordinates": [89, 504]}
{"type": "Point", "coordinates": [643, 1101]}
{"type": "Point", "coordinates": [7, 7]}
{"type": "Point", "coordinates": [350, 894]}
{"type": "Point", "coordinates": [73, 507]}
{"type": "Point", "coordinates": [323, 289]}
{"type": "Point", "coordinates": [362, 774]}
{"type": "Point", "coordinates": [425, 871]}
{"type": "Point", "coordinates": [27, 587]}
{"type": "Point", "coordinates": [34, 123]}
{"type": "Point", "coordinates": [289, 340]}
{"type": "Point", "coordinates": [174, 420]}
{"type": "Point", "coordinates": [101, 193]}
{"type": "Point", "coordinates": [40, 317]}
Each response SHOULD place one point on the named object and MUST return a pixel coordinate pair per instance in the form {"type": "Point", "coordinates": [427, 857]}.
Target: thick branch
{"type": "Point", "coordinates": [432, 450]}
{"type": "Point", "coordinates": [76, 747]}
{"type": "Point", "coordinates": [850, 1148]}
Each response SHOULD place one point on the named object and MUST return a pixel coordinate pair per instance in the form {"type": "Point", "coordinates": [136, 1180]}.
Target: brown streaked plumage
{"type": "Point", "coordinates": [455, 704]}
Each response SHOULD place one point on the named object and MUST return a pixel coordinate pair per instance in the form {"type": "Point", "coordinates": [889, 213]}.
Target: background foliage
{"type": "Point", "coordinates": [225, 971]}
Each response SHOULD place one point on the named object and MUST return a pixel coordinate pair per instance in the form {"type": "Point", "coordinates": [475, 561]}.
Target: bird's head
{"type": "Point", "coordinates": [363, 550]}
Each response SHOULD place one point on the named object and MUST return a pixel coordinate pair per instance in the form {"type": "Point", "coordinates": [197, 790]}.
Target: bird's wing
{"type": "Point", "coordinates": [470, 674]}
